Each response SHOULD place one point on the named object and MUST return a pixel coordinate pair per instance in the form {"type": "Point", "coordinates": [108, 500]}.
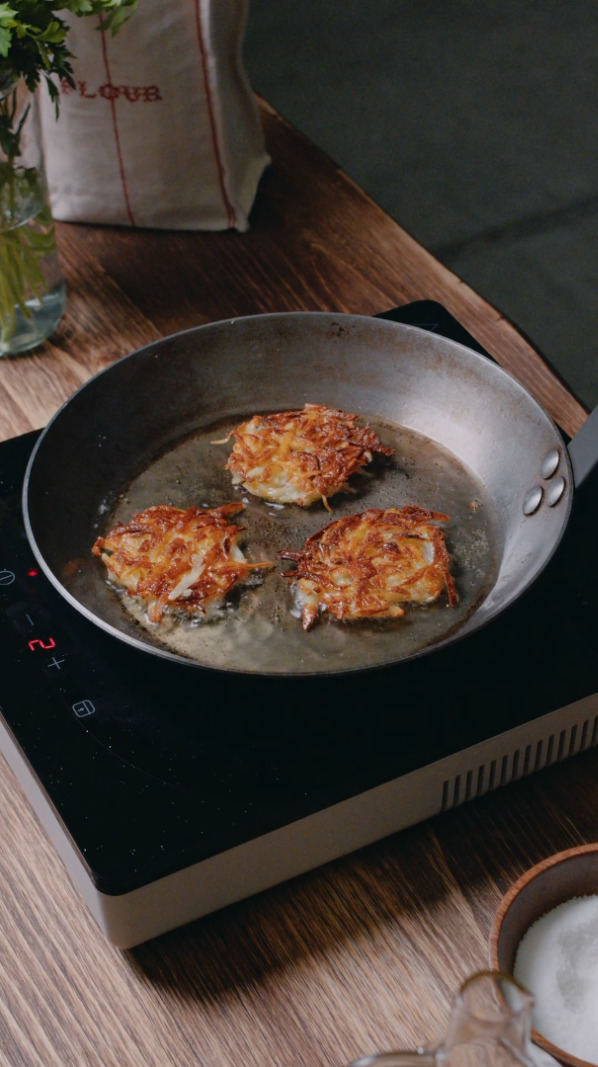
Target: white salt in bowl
{"type": "Point", "coordinates": [559, 882]}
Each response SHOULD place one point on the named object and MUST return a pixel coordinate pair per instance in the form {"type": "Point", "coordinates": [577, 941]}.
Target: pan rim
{"type": "Point", "coordinates": [477, 358]}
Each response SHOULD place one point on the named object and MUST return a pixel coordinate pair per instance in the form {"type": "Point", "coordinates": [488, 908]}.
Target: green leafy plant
{"type": "Point", "coordinates": [33, 49]}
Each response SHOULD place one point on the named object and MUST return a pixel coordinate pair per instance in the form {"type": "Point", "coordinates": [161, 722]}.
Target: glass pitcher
{"type": "Point", "coordinates": [489, 1026]}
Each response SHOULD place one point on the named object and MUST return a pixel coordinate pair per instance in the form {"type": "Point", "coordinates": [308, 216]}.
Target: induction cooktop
{"type": "Point", "coordinates": [171, 791]}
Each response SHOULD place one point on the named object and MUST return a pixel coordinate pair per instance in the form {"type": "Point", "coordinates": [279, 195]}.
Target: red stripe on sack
{"type": "Point", "coordinates": [121, 167]}
{"type": "Point", "coordinates": [230, 211]}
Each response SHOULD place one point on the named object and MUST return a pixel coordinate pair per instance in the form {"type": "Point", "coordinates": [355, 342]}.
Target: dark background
{"type": "Point", "coordinates": [474, 123]}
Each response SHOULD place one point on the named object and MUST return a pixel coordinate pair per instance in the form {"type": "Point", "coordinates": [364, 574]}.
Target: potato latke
{"type": "Point", "coordinates": [177, 560]}
{"type": "Point", "coordinates": [365, 566]}
{"type": "Point", "coordinates": [298, 457]}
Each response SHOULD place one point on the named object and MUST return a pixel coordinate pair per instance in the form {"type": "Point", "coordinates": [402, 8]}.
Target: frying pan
{"type": "Point", "coordinates": [468, 440]}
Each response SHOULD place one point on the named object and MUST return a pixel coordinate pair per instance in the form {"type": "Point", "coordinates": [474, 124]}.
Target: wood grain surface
{"type": "Point", "coordinates": [363, 954]}
{"type": "Point", "coordinates": [316, 243]}
{"type": "Point", "coordinates": [367, 952]}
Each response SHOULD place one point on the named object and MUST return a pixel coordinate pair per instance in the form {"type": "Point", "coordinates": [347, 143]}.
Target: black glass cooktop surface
{"type": "Point", "coordinates": [152, 765]}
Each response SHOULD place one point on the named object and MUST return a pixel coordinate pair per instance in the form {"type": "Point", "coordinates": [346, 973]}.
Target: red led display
{"type": "Point", "coordinates": [37, 642]}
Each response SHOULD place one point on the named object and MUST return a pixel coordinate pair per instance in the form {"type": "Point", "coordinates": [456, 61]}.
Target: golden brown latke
{"type": "Point", "coordinates": [297, 457]}
{"type": "Point", "coordinates": [365, 566]}
{"type": "Point", "coordinates": [177, 559]}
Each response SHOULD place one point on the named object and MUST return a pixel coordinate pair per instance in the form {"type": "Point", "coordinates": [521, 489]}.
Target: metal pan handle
{"type": "Point", "coordinates": [583, 452]}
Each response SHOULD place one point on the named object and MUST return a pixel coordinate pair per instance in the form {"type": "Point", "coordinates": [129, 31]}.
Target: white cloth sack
{"type": "Point", "coordinates": [162, 129]}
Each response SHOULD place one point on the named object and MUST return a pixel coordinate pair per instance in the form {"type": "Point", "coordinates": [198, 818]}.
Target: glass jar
{"type": "Point", "coordinates": [32, 288]}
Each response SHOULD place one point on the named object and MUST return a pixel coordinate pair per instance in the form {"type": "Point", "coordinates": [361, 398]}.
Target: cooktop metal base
{"type": "Point", "coordinates": [130, 918]}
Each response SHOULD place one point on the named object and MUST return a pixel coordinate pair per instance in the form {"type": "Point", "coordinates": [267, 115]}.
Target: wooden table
{"type": "Point", "coordinates": [367, 952]}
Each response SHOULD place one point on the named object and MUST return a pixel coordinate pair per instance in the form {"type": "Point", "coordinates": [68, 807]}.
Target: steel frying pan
{"type": "Point", "coordinates": [468, 440]}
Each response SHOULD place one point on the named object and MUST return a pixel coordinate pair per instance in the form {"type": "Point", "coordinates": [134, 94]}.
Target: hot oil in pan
{"type": "Point", "coordinates": [260, 630]}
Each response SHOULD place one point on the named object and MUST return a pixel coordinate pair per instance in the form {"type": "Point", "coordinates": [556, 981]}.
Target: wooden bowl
{"type": "Point", "coordinates": [568, 874]}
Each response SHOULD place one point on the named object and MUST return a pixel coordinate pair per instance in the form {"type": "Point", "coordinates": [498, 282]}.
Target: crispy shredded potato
{"type": "Point", "coordinates": [365, 566]}
{"type": "Point", "coordinates": [177, 560]}
{"type": "Point", "coordinates": [298, 457]}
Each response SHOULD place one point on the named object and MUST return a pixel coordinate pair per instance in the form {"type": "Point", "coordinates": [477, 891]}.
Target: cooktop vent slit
{"type": "Point", "coordinates": [481, 786]}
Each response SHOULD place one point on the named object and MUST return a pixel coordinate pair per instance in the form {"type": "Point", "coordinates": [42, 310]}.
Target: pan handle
{"type": "Point", "coordinates": [583, 452]}
{"type": "Point", "coordinates": [430, 315]}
